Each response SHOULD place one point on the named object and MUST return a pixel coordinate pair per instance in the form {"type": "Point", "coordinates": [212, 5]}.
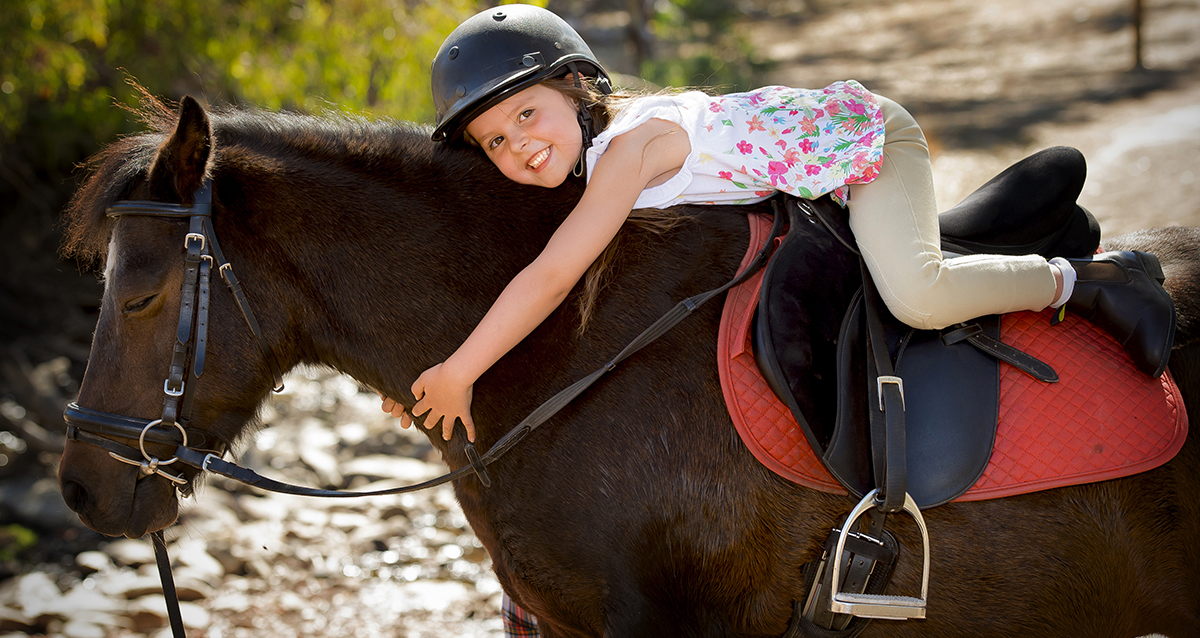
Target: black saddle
{"type": "Point", "coordinates": [810, 336]}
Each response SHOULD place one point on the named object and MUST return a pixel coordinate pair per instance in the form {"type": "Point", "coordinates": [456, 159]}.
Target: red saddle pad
{"type": "Point", "coordinates": [1102, 420]}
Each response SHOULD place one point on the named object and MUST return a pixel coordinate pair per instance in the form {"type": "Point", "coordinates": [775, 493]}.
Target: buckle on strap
{"type": "Point", "coordinates": [878, 606]}
{"type": "Point", "coordinates": [896, 381]}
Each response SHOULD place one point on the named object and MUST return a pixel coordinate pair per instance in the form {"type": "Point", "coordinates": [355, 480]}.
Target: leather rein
{"type": "Point", "coordinates": [204, 452]}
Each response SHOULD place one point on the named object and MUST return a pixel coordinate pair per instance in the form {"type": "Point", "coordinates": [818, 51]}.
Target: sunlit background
{"type": "Point", "coordinates": [990, 81]}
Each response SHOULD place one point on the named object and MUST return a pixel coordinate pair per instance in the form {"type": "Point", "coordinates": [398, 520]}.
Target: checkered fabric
{"type": "Point", "coordinates": [518, 623]}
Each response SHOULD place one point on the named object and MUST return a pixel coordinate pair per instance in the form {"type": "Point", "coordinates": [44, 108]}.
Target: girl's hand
{"type": "Point", "coordinates": [441, 396]}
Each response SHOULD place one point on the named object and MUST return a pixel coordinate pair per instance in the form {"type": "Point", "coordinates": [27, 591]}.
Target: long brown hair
{"type": "Point", "coordinates": [603, 109]}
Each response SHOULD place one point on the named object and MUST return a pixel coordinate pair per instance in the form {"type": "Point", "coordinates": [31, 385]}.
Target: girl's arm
{"type": "Point", "coordinates": [647, 154]}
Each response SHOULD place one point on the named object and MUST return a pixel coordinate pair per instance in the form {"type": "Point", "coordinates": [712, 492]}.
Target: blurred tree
{"type": "Point", "coordinates": [704, 47]}
{"type": "Point", "coordinates": [672, 42]}
{"type": "Point", "coordinates": [62, 62]}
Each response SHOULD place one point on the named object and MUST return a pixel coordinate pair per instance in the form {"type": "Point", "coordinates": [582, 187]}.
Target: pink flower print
{"type": "Point", "coordinates": [725, 175]}
{"type": "Point", "coordinates": [832, 107]}
{"type": "Point", "coordinates": [756, 124]}
{"type": "Point", "coordinates": [777, 170]}
{"type": "Point", "coordinates": [715, 107]}
{"type": "Point", "coordinates": [782, 144]}
{"type": "Point", "coordinates": [763, 193]}
{"type": "Point", "coordinates": [860, 160]}
{"type": "Point", "coordinates": [756, 99]}
{"type": "Point", "coordinates": [807, 145]}
{"type": "Point", "coordinates": [867, 139]}
{"type": "Point", "coordinates": [791, 156]}
{"type": "Point", "coordinates": [808, 126]}
{"type": "Point", "coordinates": [793, 112]}
{"type": "Point", "coordinates": [763, 151]}
{"type": "Point", "coordinates": [708, 127]}
{"type": "Point", "coordinates": [869, 175]}
{"type": "Point", "coordinates": [819, 113]}
{"type": "Point", "coordinates": [787, 130]}
{"type": "Point", "coordinates": [856, 107]}
{"type": "Point", "coordinates": [745, 147]}
{"type": "Point", "coordinates": [811, 169]}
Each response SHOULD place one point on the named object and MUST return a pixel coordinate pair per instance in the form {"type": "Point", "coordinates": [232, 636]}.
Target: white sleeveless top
{"type": "Point", "coordinates": [747, 146]}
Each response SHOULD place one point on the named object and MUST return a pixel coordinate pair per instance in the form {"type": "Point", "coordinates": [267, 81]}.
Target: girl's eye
{"type": "Point", "coordinates": [495, 141]}
{"type": "Point", "coordinates": [526, 114]}
{"type": "Point", "coordinates": [138, 304]}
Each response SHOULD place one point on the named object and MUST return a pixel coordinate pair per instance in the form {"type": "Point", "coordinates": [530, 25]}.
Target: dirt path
{"type": "Point", "coordinates": [991, 82]}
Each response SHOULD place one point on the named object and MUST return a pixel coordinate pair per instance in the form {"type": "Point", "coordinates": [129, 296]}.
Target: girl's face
{"type": "Point", "coordinates": [533, 137]}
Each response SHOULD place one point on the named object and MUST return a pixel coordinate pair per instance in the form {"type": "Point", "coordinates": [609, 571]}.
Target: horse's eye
{"type": "Point", "coordinates": [138, 304]}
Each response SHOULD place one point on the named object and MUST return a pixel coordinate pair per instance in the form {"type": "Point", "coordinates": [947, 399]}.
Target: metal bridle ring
{"type": "Point", "coordinates": [142, 443]}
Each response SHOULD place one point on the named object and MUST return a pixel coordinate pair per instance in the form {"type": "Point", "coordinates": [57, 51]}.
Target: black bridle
{"type": "Point", "coordinates": [203, 253]}
{"type": "Point", "coordinates": [203, 451]}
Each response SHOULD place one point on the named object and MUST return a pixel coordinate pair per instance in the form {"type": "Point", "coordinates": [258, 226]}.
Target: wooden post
{"type": "Point", "coordinates": [1137, 35]}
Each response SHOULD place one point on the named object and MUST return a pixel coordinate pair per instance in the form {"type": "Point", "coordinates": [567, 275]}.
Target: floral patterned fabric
{"type": "Point", "coordinates": [747, 146]}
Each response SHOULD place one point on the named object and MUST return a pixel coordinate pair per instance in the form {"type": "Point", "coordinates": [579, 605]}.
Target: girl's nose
{"type": "Point", "coordinates": [519, 139]}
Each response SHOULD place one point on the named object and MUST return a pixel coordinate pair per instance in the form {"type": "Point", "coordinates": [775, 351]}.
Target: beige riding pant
{"type": "Point", "coordinates": [894, 220]}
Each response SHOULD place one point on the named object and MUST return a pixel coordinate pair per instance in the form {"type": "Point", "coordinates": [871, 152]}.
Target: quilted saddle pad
{"type": "Point", "coordinates": [1102, 420]}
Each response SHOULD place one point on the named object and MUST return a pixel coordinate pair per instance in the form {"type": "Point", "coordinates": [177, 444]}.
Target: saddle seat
{"type": "Point", "coordinates": [794, 369]}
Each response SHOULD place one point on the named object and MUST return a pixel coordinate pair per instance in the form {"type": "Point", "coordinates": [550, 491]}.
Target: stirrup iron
{"type": "Point", "coordinates": [878, 606]}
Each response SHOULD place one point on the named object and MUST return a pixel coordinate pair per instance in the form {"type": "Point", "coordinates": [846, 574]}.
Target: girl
{"type": "Point", "coordinates": [509, 81]}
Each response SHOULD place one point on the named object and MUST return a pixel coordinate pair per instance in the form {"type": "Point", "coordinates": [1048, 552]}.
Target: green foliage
{"type": "Point", "coordinates": [64, 62]}
{"type": "Point", "coordinates": [14, 540]}
{"type": "Point", "coordinates": [706, 48]}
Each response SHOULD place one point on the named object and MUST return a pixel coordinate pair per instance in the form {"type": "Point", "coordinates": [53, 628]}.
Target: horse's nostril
{"type": "Point", "coordinates": [75, 495]}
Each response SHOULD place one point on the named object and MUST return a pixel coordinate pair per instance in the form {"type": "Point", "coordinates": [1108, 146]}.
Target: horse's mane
{"type": "Point", "coordinates": [382, 145]}
{"type": "Point", "coordinates": [115, 171]}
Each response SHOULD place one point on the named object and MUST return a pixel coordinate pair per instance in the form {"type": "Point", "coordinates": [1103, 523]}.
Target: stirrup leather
{"type": "Point", "coordinates": [879, 606]}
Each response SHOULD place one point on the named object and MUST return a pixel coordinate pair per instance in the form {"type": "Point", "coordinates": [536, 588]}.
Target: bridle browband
{"type": "Point", "coordinates": [203, 451]}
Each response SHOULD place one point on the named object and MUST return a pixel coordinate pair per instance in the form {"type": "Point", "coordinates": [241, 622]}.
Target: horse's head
{"type": "Point", "coordinates": [360, 245]}
{"type": "Point", "coordinates": [168, 333]}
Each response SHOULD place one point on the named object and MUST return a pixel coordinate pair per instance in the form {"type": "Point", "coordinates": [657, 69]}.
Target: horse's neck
{"type": "Point", "coordinates": [388, 282]}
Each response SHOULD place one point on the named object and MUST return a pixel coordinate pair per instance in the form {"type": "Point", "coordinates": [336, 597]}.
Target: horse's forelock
{"type": "Point", "coordinates": [111, 175]}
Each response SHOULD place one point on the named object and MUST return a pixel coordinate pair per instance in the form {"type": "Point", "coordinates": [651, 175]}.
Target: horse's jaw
{"type": "Point", "coordinates": [109, 497]}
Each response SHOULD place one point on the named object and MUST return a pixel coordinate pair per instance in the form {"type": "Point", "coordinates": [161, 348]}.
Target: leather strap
{"type": "Point", "coordinates": [972, 333]}
{"type": "Point", "coordinates": [231, 281]}
{"type": "Point", "coordinates": [168, 583]}
{"type": "Point", "coordinates": [886, 407]}
{"type": "Point", "coordinates": [478, 463]}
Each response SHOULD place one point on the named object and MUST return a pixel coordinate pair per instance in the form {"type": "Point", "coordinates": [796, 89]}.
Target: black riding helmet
{"type": "Point", "coordinates": [500, 52]}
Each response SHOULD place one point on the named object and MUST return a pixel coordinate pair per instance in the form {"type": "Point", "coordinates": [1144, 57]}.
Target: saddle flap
{"type": "Point", "coordinates": [814, 359]}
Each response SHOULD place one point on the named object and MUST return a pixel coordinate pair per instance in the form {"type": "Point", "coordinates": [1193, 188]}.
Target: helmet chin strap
{"type": "Point", "coordinates": [586, 124]}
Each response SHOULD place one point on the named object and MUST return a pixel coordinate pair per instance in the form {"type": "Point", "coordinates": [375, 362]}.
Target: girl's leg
{"type": "Point", "coordinates": [894, 220]}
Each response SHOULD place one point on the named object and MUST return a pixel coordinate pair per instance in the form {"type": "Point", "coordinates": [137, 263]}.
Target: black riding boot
{"type": "Point", "coordinates": [1122, 293]}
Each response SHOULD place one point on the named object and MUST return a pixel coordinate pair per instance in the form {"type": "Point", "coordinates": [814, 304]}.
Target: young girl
{"type": "Point", "coordinates": [508, 81]}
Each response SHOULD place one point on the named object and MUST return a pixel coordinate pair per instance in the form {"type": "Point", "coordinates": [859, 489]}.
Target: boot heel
{"type": "Point", "coordinates": [1151, 265]}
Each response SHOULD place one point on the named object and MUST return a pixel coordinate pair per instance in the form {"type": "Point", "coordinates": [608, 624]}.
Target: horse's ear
{"type": "Point", "coordinates": [182, 162]}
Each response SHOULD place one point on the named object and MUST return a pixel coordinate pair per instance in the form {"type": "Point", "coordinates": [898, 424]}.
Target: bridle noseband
{"type": "Point", "coordinates": [191, 340]}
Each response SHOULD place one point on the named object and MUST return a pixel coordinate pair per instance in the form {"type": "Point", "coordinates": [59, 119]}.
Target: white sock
{"type": "Point", "coordinates": [1068, 275]}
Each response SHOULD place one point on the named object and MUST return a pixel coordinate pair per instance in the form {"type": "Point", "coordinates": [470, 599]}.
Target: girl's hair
{"type": "Point", "coordinates": [604, 108]}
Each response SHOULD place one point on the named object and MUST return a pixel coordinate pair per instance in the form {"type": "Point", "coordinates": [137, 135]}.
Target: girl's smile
{"type": "Point", "coordinates": [533, 137]}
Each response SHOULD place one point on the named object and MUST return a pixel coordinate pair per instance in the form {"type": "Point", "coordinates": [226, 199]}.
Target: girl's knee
{"type": "Point", "coordinates": [899, 125]}
{"type": "Point", "coordinates": [917, 301]}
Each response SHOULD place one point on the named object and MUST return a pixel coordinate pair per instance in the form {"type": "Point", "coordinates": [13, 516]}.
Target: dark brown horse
{"type": "Point", "coordinates": [636, 511]}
